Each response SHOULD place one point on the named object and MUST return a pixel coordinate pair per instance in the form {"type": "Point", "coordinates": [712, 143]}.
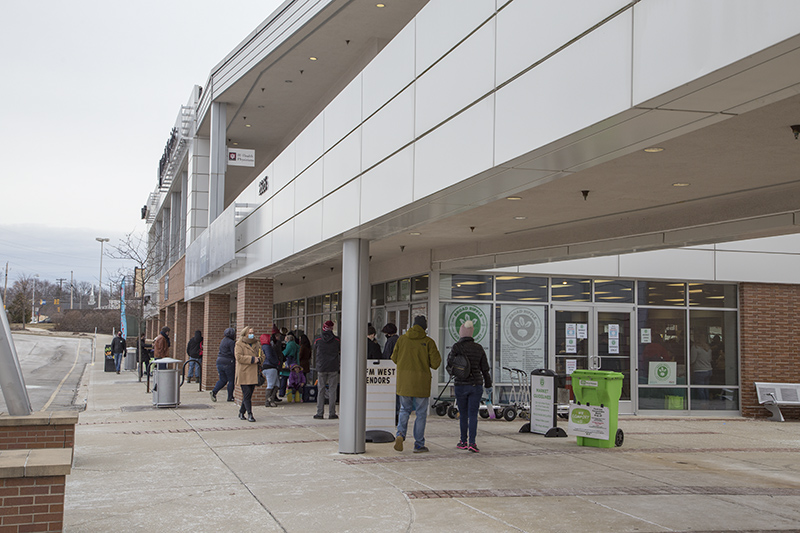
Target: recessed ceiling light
{"type": "Point", "coordinates": [653, 149]}
{"type": "Point", "coordinates": [287, 81]}
{"type": "Point", "coordinates": [380, 5]}
{"type": "Point", "coordinates": [520, 218]}
{"type": "Point", "coordinates": [236, 144]}
{"type": "Point", "coordinates": [247, 125]}
{"type": "Point", "coordinates": [514, 198]}
{"type": "Point", "coordinates": [313, 58]}
{"type": "Point", "coordinates": [680, 184]}
{"type": "Point", "coordinates": [415, 233]}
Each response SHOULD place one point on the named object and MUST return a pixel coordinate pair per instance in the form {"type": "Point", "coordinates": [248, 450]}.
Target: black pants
{"type": "Point", "coordinates": [247, 397]}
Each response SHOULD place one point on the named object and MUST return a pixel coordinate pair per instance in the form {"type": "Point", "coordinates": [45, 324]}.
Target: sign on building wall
{"type": "Point", "coordinates": [522, 337]}
{"type": "Point", "coordinates": [239, 157]}
{"type": "Point", "coordinates": [456, 314]}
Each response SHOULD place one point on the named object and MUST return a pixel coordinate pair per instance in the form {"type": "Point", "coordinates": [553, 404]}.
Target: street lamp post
{"type": "Point", "coordinates": [101, 240]}
{"type": "Point", "coordinates": [33, 299]}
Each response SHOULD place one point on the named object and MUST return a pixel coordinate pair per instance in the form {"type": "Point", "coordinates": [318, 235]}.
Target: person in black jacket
{"type": "Point", "coordinates": [469, 391]}
{"type": "Point", "coordinates": [373, 348]}
{"type": "Point", "coordinates": [118, 348]}
{"type": "Point", "coordinates": [226, 364]}
{"type": "Point", "coordinates": [270, 368]}
{"type": "Point", "coordinates": [327, 351]}
{"type": "Point", "coordinates": [194, 349]}
{"type": "Point", "coordinates": [390, 330]}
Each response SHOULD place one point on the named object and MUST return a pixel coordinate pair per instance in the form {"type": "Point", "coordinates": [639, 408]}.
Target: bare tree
{"type": "Point", "coordinates": [150, 261]}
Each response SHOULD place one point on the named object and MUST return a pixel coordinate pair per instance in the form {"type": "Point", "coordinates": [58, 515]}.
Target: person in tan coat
{"type": "Point", "coordinates": [248, 355]}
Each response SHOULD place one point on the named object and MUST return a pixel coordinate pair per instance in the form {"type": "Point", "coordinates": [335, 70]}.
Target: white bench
{"type": "Point", "coordinates": [774, 395]}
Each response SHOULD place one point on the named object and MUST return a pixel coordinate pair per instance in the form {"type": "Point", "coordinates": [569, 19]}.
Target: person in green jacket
{"type": "Point", "coordinates": [415, 354]}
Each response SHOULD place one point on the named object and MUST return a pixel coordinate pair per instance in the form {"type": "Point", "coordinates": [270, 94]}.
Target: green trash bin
{"type": "Point", "coordinates": [595, 391]}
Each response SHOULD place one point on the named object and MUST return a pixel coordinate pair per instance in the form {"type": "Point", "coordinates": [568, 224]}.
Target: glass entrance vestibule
{"type": "Point", "coordinates": [675, 342]}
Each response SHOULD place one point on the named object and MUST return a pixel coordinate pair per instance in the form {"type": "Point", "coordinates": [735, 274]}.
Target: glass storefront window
{"type": "Point", "coordinates": [662, 338]}
{"type": "Point", "coordinates": [405, 290]}
{"type": "Point", "coordinates": [521, 289]}
{"type": "Point", "coordinates": [419, 288]}
{"type": "Point", "coordinates": [663, 398]}
{"type": "Point", "coordinates": [713, 352]}
{"type": "Point", "coordinates": [613, 291]}
{"type": "Point", "coordinates": [463, 286]}
{"type": "Point", "coordinates": [712, 295]}
{"type": "Point", "coordinates": [571, 290]}
{"type": "Point", "coordinates": [391, 292]}
{"type": "Point", "coordinates": [377, 295]}
{"type": "Point", "coordinates": [662, 293]}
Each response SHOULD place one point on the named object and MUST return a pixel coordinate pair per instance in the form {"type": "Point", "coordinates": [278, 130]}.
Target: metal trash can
{"type": "Point", "coordinates": [130, 358]}
{"type": "Point", "coordinates": [166, 384]}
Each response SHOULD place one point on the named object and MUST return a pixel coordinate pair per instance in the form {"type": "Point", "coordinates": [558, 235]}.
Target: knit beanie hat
{"type": "Point", "coordinates": [389, 329]}
{"type": "Point", "coordinates": [327, 326]}
{"type": "Point", "coordinates": [421, 321]}
{"type": "Point", "coordinates": [466, 329]}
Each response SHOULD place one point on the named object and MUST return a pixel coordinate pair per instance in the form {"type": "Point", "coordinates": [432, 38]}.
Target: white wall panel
{"type": "Point", "coordinates": [390, 71]}
{"type": "Point", "coordinates": [594, 266]}
{"type": "Point", "coordinates": [463, 76]}
{"type": "Point", "coordinates": [283, 241]}
{"type": "Point", "coordinates": [309, 144]}
{"type": "Point", "coordinates": [677, 41]}
{"type": "Point", "coordinates": [758, 267]}
{"type": "Point", "coordinates": [455, 151]}
{"type": "Point", "coordinates": [668, 264]}
{"type": "Point", "coordinates": [343, 114]}
{"type": "Point", "coordinates": [443, 23]}
{"type": "Point", "coordinates": [308, 227]}
{"type": "Point", "coordinates": [388, 186]}
{"type": "Point", "coordinates": [786, 244]}
{"type": "Point", "coordinates": [527, 31]}
{"type": "Point", "coordinates": [283, 205]}
{"type": "Point", "coordinates": [342, 163]}
{"type": "Point", "coordinates": [283, 170]}
{"type": "Point", "coordinates": [581, 85]}
{"type": "Point", "coordinates": [308, 187]}
{"type": "Point", "coordinates": [389, 129]}
{"type": "Point", "coordinates": [340, 210]}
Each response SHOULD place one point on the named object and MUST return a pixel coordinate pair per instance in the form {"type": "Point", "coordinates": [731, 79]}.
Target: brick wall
{"type": "Point", "coordinates": [19, 437]}
{"type": "Point", "coordinates": [169, 321]}
{"type": "Point", "coordinates": [254, 309]}
{"type": "Point", "coordinates": [178, 326]}
{"type": "Point", "coordinates": [769, 315]}
{"type": "Point", "coordinates": [216, 315]}
{"type": "Point", "coordinates": [32, 504]}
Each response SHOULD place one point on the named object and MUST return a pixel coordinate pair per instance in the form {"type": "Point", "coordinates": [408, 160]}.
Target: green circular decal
{"type": "Point", "coordinates": [461, 314]}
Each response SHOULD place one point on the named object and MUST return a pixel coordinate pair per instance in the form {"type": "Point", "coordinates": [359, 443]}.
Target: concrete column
{"type": "Point", "coordinates": [197, 189]}
{"type": "Point", "coordinates": [216, 314]}
{"type": "Point", "coordinates": [179, 338]}
{"type": "Point", "coordinates": [162, 321]}
{"type": "Point", "coordinates": [218, 160]}
{"type": "Point", "coordinates": [254, 309]}
{"type": "Point", "coordinates": [355, 315]}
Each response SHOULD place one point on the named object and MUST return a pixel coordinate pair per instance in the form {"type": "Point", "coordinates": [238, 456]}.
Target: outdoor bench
{"type": "Point", "coordinates": [773, 396]}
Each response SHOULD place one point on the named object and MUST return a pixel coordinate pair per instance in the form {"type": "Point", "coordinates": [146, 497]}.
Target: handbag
{"type": "Point", "coordinates": [261, 378]}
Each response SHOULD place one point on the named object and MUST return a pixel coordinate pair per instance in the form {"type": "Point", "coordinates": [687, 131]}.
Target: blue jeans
{"type": "Point", "coordinates": [194, 368]}
{"type": "Point", "coordinates": [227, 371]}
{"type": "Point", "coordinates": [117, 361]}
{"type": "Point", "coordinates": [271, 375]}
{"type": "Point", "coordinates": [419, 406]}
{"type": "Point", "coordinates": [468, 400]}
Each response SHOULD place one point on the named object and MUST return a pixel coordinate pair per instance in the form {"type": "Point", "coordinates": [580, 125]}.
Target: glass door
{"type": "Point", "coordinates": [583, 337]}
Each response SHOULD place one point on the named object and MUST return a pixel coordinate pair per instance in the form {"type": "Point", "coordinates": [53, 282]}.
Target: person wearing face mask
{"type": "Point", "coordinates": [248, 355]}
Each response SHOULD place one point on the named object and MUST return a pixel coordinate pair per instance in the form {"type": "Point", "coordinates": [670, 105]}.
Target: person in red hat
{"type": "Point", "coordinates": [327, 354]}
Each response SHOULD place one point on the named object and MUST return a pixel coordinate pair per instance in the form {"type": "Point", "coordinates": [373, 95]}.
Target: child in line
{"type": "Point", "coordinates": [297, 381]}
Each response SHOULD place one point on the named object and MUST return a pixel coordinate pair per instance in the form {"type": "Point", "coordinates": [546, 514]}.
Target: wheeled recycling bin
{"type": "Point", "coordinates": [166, 384]}
{"type": "Point", "coordinates": [594, 415]}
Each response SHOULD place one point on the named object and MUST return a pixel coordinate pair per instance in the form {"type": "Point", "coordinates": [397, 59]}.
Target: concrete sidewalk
{"type": "Point", "coordinates": [200, 468]}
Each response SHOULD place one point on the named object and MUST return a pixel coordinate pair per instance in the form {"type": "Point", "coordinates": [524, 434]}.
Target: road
{"type": "Point", "coordinates": [52, 367]}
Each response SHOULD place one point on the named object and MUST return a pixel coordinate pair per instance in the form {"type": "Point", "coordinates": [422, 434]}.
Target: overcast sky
{"type": "Point", "coordinates": [90, 91]}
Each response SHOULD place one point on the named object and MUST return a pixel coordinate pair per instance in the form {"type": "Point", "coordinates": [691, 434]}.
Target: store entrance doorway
{"type": "Point", "coordinates": [586, 336]}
